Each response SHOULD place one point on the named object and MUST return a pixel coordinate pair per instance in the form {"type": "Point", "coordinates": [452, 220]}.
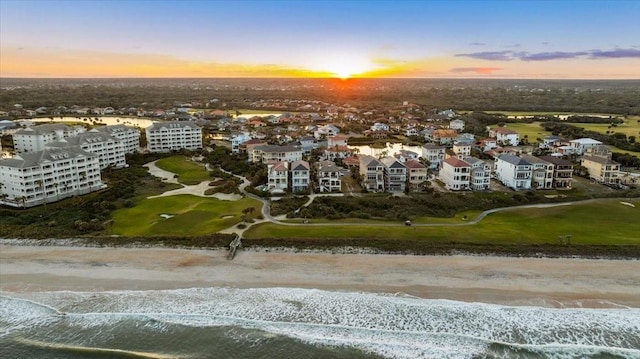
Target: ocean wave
{"type": "Point", "coordinates": [394, 326]}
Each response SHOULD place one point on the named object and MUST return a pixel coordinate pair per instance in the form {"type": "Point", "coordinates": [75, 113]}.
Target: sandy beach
{"type": "Point", "coordinates": [510, 281]}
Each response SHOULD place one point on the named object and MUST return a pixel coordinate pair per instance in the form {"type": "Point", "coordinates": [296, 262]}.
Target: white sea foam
{"type": "Point", "coordinates": [389, 325]}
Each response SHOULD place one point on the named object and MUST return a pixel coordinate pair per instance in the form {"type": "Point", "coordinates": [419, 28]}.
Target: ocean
{"type": "Point", "coordinates": [301, 323]}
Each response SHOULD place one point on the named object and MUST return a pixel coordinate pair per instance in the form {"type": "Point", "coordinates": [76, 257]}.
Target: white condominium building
{"type": "Point", "coordinates": [110, 150]}
{"type": "Point", "coordinates": [173, 136]}
{"type": "Point", "coordinates": [130, 137]}
{"type": "Point", "coordinates": [35, 138]}
{"type": "Point", "coordinates": [33, 178]}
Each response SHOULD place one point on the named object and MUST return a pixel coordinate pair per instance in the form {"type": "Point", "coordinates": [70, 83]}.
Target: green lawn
{"type": "Point", "coordinates": [188, 172]}
{"type": "Point", "coordinates": [604, 222]}
{"type": "Point", "coordinates": [193, 216]}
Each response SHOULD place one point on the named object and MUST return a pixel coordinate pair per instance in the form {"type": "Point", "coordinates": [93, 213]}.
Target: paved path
{"type": "Point", "coordinates": [267, 217]}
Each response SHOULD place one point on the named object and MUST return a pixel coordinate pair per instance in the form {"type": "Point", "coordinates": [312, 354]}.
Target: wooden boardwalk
{"type": "Point", "coordinates": [233, 247]}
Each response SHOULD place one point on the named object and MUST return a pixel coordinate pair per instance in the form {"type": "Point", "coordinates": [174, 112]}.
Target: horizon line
{"type": "Point", "coordinates": [320, 78]}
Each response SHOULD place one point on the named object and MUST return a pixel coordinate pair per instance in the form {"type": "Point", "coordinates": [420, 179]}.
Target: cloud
{"type": "Point", "coordinates": [512, 46]}
{"type": "Point", "coordinates": [477, 70]}
{"type": "Point", "coordinates": [557, 55]}
{"type": "Point", "coordinates": [544, 56]}
{"type": "Point", "coordinates": [477, 44]}
{"type": "Point", "coordinates": [490, 55]}
{"type": "Point", "coordinates": [614, 54]}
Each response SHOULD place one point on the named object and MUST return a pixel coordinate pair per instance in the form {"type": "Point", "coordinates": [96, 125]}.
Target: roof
{"type": "Point", "coordinates": [601, 160]}
{"type": "Point", "coordinates": [556, 160]}
{"type": "Point", "coordinates": [505, 131]}
{"type": "Point", "coordinates": [276, 148]}
{"type": "Point", "coordinates": [279, 166]}
{"type": "Point", "coordinates": [392, 162]}
{"type": "Point", "coordinates": [43, 129]}
{"type": "Point", "coordinates": [456, 162]}
{"type": "Point", "coordinates": [300, 166]}
{"type": "Point", "coordinates": [532, 159]}
{"type": "Point", "coordinates": [413, 164]}
{"type": "Point", "coordinates": [156, 126]}
{"type": "Point", "coordinates": [367, 160]}
{"type": "Point", "coordinates": [586, 141]}
{"type": "Point", "coordinates": [86, 138]}
{"type": "Point", "coordinates": [114, 128]}
{"type": "Point", "coordinates": [34, 159]}
{"type": "Point", "coordinates": [433, 146]}
{"type": "Point", "coordinates": [473, 160]}
{"type": "Point", "coordinates": [445, 133]}
{"type": "Point", "coordinates": [514, 160]}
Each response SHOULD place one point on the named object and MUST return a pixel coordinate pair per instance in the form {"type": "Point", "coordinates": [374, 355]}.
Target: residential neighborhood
{"type": "Point", "coordinates": [309, 152]}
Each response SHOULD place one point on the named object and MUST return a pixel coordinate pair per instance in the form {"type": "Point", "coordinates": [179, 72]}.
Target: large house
{"type": "Point", "coordinates": [266, 153]}
{"type": "Point", "coordinates": [581, 145]}
{"type": "Point", "coordinates": [395, 174]}
{"type": "Point", "coordinates": [562, 171]}
{"type": "Point", "coordinates": [278, 176]}
{"type": "Point", "coordinates": [300, 176]}
{"type": "Point", "coordinates": [434, 154]}
{"type": "Point", "coordinates": [602, 169]}
{"type": "Point", "coordinates": [444, 136]}
{"type": "Point", "coordinates": [130, 137]}
{"type": "Point", "coordinates": [35, 138]}
{"type": "Point", "coordinates": [288, 176]}
{"type": "Point", "coordinates": [455, 174]}
{"type": "Point", "coordinates": [416, 174]}
{"type": "Point", "coordinates": [330, 176]}
{"type": "Point", "coordinates": [372, 173]}
{"type": "Point", "coordinates": [542, 172]}
{"type": "Point", "coordinates": [505, 136]}
{"type": "Point", "coordinates": [173, 136]}
{"type": "Point", "coordinates": [237, 140]}
{"type": "Point", "coordinates": [480, 174]}
{"type": "Point", "coordinates": [33, 178]}
{"type": "Point", "coordinates": [462, 148]}
{"type": "Point", "coordinates": [514, 172]}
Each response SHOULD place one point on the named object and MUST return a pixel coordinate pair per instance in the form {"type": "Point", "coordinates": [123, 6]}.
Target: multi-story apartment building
{"type": "Point", "coordinates": [542, 172]}
{"type": "Point", "coordinates": [110, 150]}
{"type": "Point", "coordinates": [434, 154]}
{"type": "Point", "coordinates": [300, 176]}
{"type": "Point", "coordinates": [130, 137]}
{"type": "Point", "coordinates": [602, 169]}
{"type": "Point", "coordinates": [416, 173]}
{"type": "Point", "coordinates": [395, 174]}
{"type": "Point", "coordinates": [330, 176]}
{"type": "Point", "coordinates": [173, 136]}
{"type": "Point", "coordinates": [33, 178]}
{"type": "Point", "coordinates": [35, 138]}
{"type": "Point", "coordinates": [480, 179]}
{"type": "Point", "coordinates": [265, 153]}
{"type": "Point", "coordinates": [562, 171]}
{"type": "Point", "coordinates": [455, 174]}
{"type": "Point", "coordinates": [372, 173]}
{"type": "Point", "coordinates": [514, 172]}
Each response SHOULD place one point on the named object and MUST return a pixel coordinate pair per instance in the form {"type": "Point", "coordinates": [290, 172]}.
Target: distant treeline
{"type": "Point", "coordinates": [615, 97]}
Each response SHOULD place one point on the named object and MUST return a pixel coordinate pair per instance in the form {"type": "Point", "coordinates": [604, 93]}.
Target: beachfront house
{"type": "Point", "coordinates": [330, 176]}
{"type": "Point", "coordinates": [395, 174]}
{"type": "Point", "coordinates": [455, 174]}
{"type": "Point", "coordinates": [372, 173]}
{"type": "Point", "coordinates": [434, 154]}
{"type": "Point", "coordinates": [602, 169]}
{"type": "Point", "coordinates": [514, 172]}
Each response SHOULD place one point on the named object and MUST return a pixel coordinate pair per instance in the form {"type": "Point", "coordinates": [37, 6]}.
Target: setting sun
{"type": "Point", "coordinates": [345, 66]}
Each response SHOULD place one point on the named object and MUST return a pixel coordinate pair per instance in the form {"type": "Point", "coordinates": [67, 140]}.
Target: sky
{"type": "Point", "coordinates": [398, 39]}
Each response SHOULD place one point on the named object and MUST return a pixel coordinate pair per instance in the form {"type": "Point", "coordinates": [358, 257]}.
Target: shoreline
{"type": "Point", "coordinates": [546, 282]}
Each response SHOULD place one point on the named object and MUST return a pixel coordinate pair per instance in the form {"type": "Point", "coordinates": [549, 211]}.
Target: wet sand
{"type": "Point", "coordinates": [511, 281]}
